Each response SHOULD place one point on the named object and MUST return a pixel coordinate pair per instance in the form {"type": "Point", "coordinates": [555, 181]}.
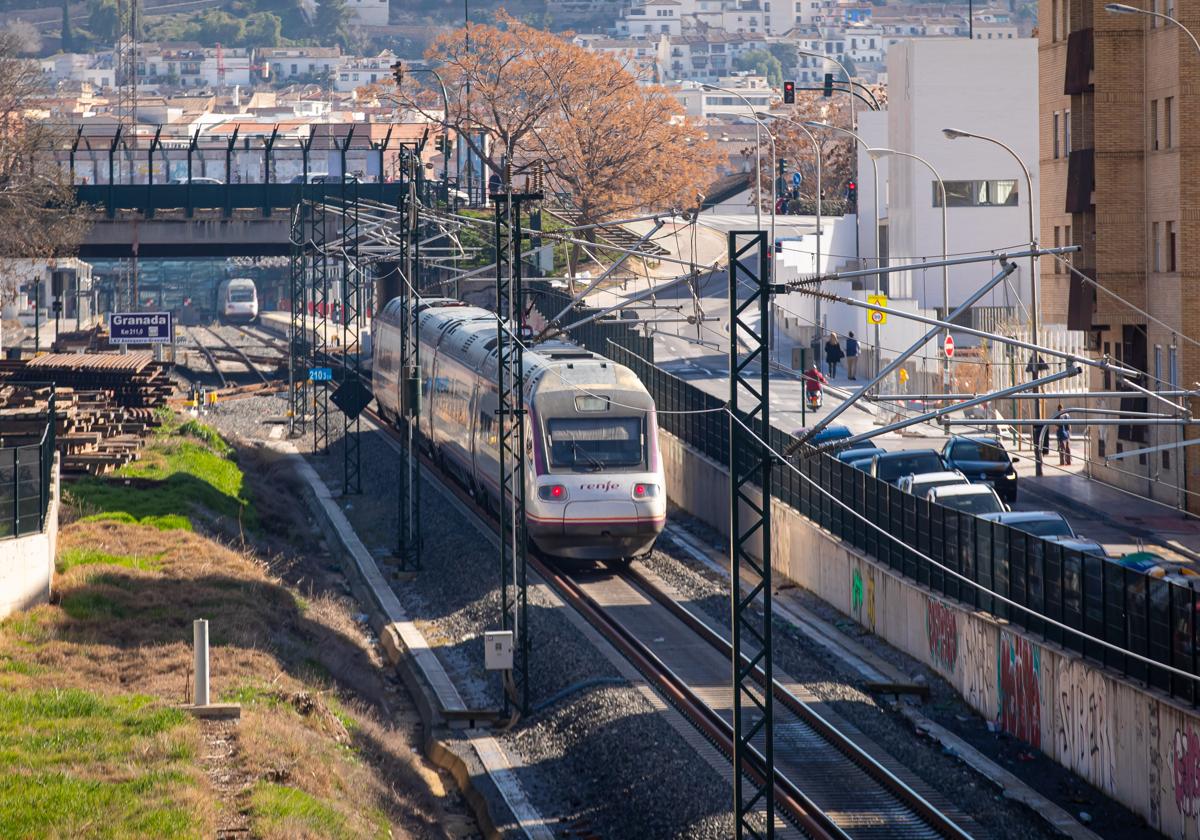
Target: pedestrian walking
{"type": "Point", "coordinates": [833, 354]}
{"type": "Point", "coordinates": [852, 356]}
{"type": "Point", "coordinates": [1064, 437]}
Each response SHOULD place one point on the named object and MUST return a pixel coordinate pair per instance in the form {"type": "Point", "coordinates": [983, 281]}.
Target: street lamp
{"type": "Point", "coordinates": [1123, 9]}
{"type": "Point", "coordinates": [849, 82]}
{"type": "Point", "coordinates": [757, 153]}
{"type": "Point", "coordinates": [817, 151]}
{"type": "Point", "coordinates": [1035, 312]}
{"type": "Point", "coordinates": [875, 200]}
{"type": "Point", "coordinates": [882, 152]}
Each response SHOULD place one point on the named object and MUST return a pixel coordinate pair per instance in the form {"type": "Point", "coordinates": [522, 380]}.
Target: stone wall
{"type": "Point", "coordinates": [1137, 745]}
{"type": "Point", "coordinates": [27, 563]}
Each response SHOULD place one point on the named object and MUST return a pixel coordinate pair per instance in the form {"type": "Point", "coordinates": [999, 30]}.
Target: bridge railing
{"type": "Point", "coordinates": [264, 198]}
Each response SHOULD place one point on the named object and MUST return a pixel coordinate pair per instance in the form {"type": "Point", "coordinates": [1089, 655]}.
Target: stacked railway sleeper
{"type": "Point", "coordinates": [104, 406]}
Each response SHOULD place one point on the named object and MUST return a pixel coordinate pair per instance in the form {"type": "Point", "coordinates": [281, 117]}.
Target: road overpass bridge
{"type": "Point", "coordinates": [206, 220]}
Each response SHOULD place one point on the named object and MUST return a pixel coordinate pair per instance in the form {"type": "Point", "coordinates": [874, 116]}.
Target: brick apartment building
{"type": "Point", "coordinates": [1119, 115]}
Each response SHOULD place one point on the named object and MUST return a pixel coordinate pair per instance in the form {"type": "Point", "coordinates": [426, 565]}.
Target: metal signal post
{"type": "Point", "coordinates": [750, 465]}
{"type": "Point", "coordinates": [510, 431]}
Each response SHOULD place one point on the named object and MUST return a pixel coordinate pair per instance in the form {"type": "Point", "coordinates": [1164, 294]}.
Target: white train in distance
{"type": "Point", "coordinates": [237, 300]}
{"type": "Point", "coordinates": [594, 476]}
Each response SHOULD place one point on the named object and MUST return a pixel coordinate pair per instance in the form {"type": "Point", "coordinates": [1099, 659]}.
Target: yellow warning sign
{"type": "Point", "coordinates": [903, 376]}
{"type": "Point", "coordinates": [874, 316]}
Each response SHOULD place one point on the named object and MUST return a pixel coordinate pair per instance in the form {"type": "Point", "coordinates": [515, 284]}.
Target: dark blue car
{"type": "Point", "coordinates": [983, 458]}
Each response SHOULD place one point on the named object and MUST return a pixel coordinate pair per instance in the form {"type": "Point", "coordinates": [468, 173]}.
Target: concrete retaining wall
{"type": "Point", "coordinates": [1137, 745]}
{"type": "Point", "coordinates": [27, 563]}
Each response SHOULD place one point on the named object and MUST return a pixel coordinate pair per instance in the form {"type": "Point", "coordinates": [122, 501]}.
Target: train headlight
{"type": "Point", "coordinates": [645, 491]}
{"type": "Point", "coordinates": [552, 493]}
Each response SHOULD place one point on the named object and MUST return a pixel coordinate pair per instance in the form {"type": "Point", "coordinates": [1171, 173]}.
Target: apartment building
{"type": "Point", "coordinates": [644, 58]}
{"type": "Point", "coordinates": [1118, 116]}
{"type": "Point", "coordinates": [287, 64]}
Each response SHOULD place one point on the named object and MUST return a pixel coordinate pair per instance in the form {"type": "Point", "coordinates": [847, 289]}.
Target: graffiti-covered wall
{"type": "Point", "coordinates": [1137, 745]}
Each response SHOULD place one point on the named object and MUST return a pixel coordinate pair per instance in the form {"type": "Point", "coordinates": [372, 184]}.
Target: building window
{"type": "Point", "coordinates": [1171, 249]}
{"type": "Point", "coordinates": [1168, 121]}
{"type": "Point", "coordinates": [977, 194]}
{"type": "Point", "coordinates": [1054, 7]}
{"type": "Point", "coordinates": [1154, 123]}
{"type": "Point", "coordinates": [1057, 243]}
{"type": "Point", "coordinates": [1057, 151]}
{"type": "Point", "coordinates": [1155, 247]}
{"type": "Point", "coordinates": [1066, 144]}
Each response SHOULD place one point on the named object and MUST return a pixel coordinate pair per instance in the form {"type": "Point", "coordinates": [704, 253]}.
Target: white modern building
{"type": "Point", "coordinates": [731, 102]}
{"type": "Point", "coordinates": [287, 64]}
{"type": "Point", "coordinates": [983, 87]}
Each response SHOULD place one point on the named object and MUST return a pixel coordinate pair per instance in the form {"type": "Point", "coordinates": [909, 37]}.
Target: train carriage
{"type": "Point", "coordinates": [237, 300]}
{"type": "Point", "coordinates": [594, 479]}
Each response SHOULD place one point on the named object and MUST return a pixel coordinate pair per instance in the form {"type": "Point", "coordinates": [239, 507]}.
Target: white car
{"type": "Point", "coordinates": [921, 483]}
{"type": "Point", "coordinates": [969, 498]}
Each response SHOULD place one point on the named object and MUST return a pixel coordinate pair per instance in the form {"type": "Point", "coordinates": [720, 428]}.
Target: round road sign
{"type": "Point", "coordinates": [948, 346]}
{"type": "Point", "coordinates": [876, 317]}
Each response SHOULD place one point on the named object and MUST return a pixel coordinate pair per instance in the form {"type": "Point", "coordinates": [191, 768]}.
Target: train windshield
{"type": "Point", "coordinates": [241, 294]}
{"type": "Point", "coordinates": [595, 443]}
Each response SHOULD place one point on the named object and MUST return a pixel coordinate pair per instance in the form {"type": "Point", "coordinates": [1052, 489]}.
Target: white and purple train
{"type": "Point", "coordinates": [594, 477]}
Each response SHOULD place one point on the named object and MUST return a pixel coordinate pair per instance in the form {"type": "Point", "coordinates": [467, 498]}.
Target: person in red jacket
{"type": "Point", "coordinates": [813, 380]}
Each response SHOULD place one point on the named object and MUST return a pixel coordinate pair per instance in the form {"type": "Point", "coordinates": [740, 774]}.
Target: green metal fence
{"type": "Point", "coordinates": [26, 476]}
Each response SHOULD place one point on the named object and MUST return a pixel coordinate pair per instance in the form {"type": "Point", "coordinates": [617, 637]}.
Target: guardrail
{"type": "Point", "coordinates": [26, 476]}
{"type": "Point", "coordinates": [1102, 600]}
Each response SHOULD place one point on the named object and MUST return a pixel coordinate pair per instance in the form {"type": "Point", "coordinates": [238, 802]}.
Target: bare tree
{"type": "Point", "coordinates": [39, 215]}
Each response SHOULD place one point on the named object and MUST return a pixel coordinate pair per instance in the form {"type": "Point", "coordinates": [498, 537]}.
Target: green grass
{"type": "Point", "coordinates": [70, 558]}
{"type": "Point", "coordinates": [55, 804]}
{"type": "Point", "coordinates": [287, 811]}
{"type": "Point", "coordinates": [46, 729]}
{"type": "Point", "coordinates": [89, 605]}
{"type": "Point", "coordinates": [195, 472]}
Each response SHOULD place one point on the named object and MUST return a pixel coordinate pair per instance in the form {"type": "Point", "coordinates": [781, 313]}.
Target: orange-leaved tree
{"type": "Point", "coordinates": [618, 146]}
{"type": "Point", "coordinates": [612, 144]}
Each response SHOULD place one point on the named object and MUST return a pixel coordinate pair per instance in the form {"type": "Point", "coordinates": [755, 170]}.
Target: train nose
{"type": "Point", "coordinates": [610, 518]}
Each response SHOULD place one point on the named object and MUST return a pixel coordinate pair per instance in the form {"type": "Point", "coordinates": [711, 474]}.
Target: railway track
{"type": "Point", "coordinates": [825, 784]}
{"type": "Point", "coordinates": [237, 351]}
{"type": "Point", "coordinates": [212, 360]}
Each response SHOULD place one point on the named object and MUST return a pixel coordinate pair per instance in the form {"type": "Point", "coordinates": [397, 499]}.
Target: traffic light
{"type": "Point", "coordinates": [782, 167]}
{"type": "Point", "coordinates": [852, 194]}
{"type": "Point", "coordinates": [828, 89]}
{"type": "Point", "coordinates": [789, 93]}
{"type": "Point", "coordinates": [398, 72]}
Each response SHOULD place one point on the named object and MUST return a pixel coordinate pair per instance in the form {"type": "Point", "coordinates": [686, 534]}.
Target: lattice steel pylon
{"type": "Point", "coordinates": [750, 465]}
{"type": "Point", "coordinates": [408, 549]}
{"type": "Point", "coordinates": [350, 321]}
{"type": "Point", "coordinates": [318, 344]}
{"type": "Point", "coordinates": [298, 330]}
{"type": "Point", "coordinates": [510, 419]}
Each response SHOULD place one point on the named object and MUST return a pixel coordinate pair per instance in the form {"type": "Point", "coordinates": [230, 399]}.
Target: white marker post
{"type": "Point", "coordinates": [200, 646]}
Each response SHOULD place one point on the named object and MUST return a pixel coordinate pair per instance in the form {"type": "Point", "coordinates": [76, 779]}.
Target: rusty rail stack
{"type": "Point", "coordinates": [105, 405]}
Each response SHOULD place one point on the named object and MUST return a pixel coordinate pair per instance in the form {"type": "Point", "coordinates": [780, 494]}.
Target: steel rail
{"type": "Point", "coordinates": [212, 361]}
{"type": "Point", "coordinates": [240, 353]}
{"type": "Point", "coordinates": [896, 786]}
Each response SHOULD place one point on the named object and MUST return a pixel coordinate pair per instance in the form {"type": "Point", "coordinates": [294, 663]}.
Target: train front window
{"type": "Point", "coordinates": [241, 295]}
{"type": "Point", "coordinates": [595, 443]}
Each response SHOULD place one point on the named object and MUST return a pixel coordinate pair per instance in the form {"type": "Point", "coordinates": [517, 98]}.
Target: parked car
{"type": "Point", "coordinates": [969, 498]}
{"type": "Point", "coordinates": [348, 178]}
{"type": "Point", "coordinates": [857, 453]}
{"type": "Point", "coordinates": [892, 466]}
{"type": "Point", "coordinates": [1040, 523]}
{"type": "Point", "coordinates": [1083, 545]}
{"type": "Point", "coordinates": [198, 179]}
{"type": "Point", "coordinates": [983, 458]}
{"type": "Point", "coordinates": [920, 484]}
{"type": "Point", "coordinates": [829, 434]}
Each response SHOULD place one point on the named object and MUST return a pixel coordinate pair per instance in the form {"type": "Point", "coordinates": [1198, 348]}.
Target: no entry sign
{"type": "Point", "coordinates": [948, 346]}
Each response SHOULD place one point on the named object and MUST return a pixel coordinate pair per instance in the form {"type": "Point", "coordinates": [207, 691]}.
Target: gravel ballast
{"type": "Point", "coordinates": [600, 759]}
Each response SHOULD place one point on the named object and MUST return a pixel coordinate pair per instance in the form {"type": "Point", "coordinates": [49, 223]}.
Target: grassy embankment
{"type": "Point", "coordinates": [92, 742]}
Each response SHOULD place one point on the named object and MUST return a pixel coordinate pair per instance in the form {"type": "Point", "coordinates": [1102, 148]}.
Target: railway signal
{"type": "Point", "coordinates": [789, 93]}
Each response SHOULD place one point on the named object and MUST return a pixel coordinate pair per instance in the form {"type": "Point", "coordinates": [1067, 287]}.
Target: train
{"type": "Point", "coordinates": [237, 300]}
{"type": "Point", "coordinates": [595, 488]}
